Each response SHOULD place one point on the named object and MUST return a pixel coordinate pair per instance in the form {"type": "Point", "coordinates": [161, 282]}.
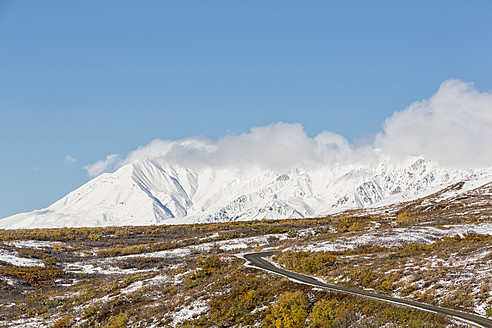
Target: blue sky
{"type": "Point", "coordinates": [90, 78]}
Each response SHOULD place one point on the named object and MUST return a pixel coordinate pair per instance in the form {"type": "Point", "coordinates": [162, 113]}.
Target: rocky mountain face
{"type": "Point", "coordinates": [149, 192]}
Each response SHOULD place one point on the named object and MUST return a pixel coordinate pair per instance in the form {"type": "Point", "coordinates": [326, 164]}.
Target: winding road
{"type": "Point", "coordinates": [257, 260]}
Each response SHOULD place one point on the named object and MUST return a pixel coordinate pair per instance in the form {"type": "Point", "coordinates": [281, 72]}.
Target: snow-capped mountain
{"type": "Point", "coordinates": [149, 192]}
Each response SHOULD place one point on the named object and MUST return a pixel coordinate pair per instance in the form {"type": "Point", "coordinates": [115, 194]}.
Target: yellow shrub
{"type": "Point", "coordinates": [64, 322]}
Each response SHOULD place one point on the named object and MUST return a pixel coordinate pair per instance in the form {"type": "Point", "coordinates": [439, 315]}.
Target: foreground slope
{"type": "Point", "coordinates": [257, 260]}
{"type": "Point", "coordinates": [192, 275]}
{"type": "Point", "coordinates": [151, 192]}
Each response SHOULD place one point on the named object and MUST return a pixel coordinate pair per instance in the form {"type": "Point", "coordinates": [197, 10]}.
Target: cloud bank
{"type": "Point", "coordinates": [453, 128]}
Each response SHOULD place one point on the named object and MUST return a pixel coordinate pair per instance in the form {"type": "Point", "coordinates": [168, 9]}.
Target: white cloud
{"type": "Point", "coordinates": [69, 160]}
{"type": "Point", "coordinates": [108, 164]}
{"type": "Point", "coordinates": [453, 127]}
{"type": "Point", "coordinates": [276, 146]}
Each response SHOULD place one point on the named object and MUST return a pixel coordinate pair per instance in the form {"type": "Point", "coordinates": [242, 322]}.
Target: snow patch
{"type": "Point", "coordinates": [13, 258]}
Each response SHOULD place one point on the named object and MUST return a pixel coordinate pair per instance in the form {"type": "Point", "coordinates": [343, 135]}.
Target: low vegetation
{"type": "Point", "coordinates": [423, 272]}
{"type": "Point", "coordinates": [190, 276]}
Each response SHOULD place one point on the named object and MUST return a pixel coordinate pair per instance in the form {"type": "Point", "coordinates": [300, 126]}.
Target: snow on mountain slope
{"type": "Point", "coordinates": [149, 192]}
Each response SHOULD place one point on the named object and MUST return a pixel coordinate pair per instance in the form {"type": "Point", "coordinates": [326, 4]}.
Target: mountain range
{"type": "Point", "coordinates": [147, 192]}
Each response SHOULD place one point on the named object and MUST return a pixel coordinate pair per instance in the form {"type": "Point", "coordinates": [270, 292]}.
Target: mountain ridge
{"type": "Point", "coordinates": [148, 192]}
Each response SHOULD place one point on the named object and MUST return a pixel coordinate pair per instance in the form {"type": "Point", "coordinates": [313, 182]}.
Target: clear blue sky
{"type": "Point", "coordinates": [90, 78]}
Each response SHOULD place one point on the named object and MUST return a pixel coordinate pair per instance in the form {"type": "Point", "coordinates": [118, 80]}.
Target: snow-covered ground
{"type": "Point", "coordinates": [15, 259]}
{"type": "Point", "coordinates": [396, 237]}
{"type": "Point", "coordinates": [187, 312]}
{"type": "Point", "coordinates": [172, 270]}
{"type": "Point", "coordinates": [34, 244]}
{"type": "Point", "coordinates": [109, 266]}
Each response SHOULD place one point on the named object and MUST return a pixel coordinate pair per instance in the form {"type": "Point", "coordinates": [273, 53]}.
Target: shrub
{"type": "Point", "coordinates": [309, 262]}
{"type": "Point", "coordinates": [117, 321]}
{"type": "Point", "coordinates": [323, 314]}
{"type": "Point", "coordinates": [404, 219]}
{"type": "Point", "coordinates": [290, 311]}
{"type": "Point", "coordinates": [64, 322]}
